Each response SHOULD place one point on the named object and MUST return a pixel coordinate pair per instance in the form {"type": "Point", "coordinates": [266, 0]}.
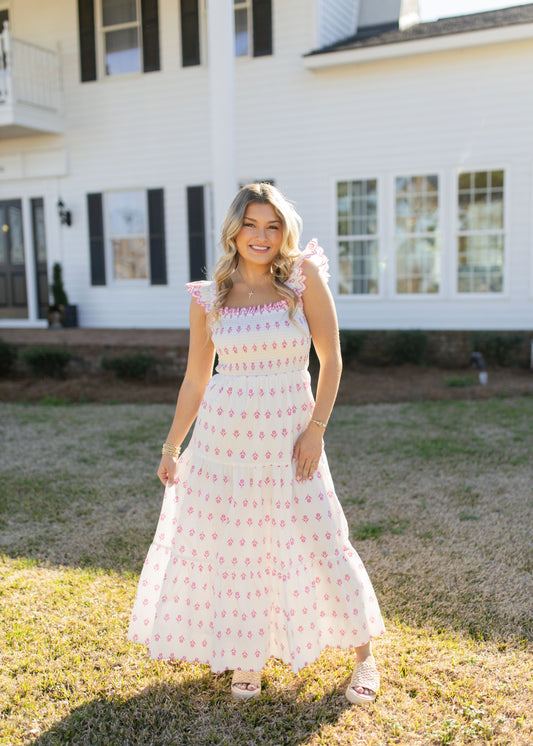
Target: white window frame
{"type": "Point", "coordinates": [108, 248]}
{"type": "Point", "coordinates": [504, 293]}
{"type": "Point", "coordinates": [378, 236]}
{"type": "Point", "coordinates": [391, 233]}
{"type": "Point", "coordinates": [245, 5]}
{"type": "Point", "coordinates": [100, 42]}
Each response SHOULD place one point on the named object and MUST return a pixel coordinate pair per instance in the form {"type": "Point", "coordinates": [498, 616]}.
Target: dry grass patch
{"type": "Point", "coordinates": [440, 498]}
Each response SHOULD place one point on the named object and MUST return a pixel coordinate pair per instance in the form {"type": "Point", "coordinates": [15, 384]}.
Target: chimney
{"type": "Point", "coordinates": [409, 14]}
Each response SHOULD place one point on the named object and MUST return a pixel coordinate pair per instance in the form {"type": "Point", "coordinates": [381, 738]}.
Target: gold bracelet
{"type": "Point", "coordinates": [320, 423]}
{"type": "Point", "coordinates": [169, 449]}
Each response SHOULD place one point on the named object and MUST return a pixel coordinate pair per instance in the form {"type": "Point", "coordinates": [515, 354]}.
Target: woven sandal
{"type": "Point", "coordinates": [246, 677]}
{"type": "Point", "coordinates": [366, 675]}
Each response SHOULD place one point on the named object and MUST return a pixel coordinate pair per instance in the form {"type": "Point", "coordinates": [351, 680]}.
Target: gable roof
{"type": "Point", "coordinates": [374, 36]}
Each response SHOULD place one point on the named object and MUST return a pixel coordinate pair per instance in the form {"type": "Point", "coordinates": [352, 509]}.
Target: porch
{"type": "Point", "coordinates": [30, 88]}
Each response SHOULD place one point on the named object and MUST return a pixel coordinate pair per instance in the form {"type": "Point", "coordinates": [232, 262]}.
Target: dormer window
{"type": "Point", "coordinates": [253, 28]}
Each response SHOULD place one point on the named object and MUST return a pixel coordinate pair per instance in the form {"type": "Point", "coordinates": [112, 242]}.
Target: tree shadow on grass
{"type": "Point", "coordinates": [199, 712]}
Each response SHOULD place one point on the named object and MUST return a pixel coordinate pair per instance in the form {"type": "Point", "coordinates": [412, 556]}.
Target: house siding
{"type": "Point", "coordinates": [337, 19]}
{"type": "Point", "coordinates": [307, 130]}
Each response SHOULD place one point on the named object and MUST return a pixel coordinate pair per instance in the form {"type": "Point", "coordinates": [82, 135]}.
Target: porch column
{"type": "Point", "coordinates": [221, 51]}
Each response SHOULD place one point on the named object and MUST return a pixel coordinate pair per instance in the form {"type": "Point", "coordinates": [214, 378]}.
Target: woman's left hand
{"type": "Point", "coordinates": [307, 451]}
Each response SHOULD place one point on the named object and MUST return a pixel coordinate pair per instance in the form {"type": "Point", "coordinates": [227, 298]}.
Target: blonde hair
{"type": "Point", "coordinates": [281, 264]}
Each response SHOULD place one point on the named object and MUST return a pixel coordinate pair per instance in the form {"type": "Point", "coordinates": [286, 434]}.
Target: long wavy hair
{"type": "Point", "coordinates": [281, 264]}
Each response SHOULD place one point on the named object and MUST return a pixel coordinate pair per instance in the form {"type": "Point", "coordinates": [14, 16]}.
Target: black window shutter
{"type": "Point", "coordinates": [96, 238]}
{"type": "Point", "coordinates": [87, 40]}
{"type": "Point", "coordinates": [190, 33]}
{"type": "Point", "coordinates": [196, 222]}
{"type": "Point", "coordinates": [156, 226]}
{"type": "Point", "coordinates": [150, 28]}
{"type": "Point", "coordinates": [262, 27]}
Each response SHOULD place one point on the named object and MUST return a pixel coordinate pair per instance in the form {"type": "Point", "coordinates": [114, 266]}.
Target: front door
{"type": "Point", "coordinates": [13, 294]}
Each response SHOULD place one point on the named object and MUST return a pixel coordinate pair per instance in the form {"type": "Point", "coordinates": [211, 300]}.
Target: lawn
{"type": "Point", "coordinates": [439, 499]}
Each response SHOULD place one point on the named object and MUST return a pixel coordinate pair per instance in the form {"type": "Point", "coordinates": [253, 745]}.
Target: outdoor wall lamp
{"type": "Point", "coordinates": [65, 216]}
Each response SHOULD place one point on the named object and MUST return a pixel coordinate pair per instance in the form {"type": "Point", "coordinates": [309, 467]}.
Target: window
{"type": "Point", "coordinates": [127, 236]}
{"type": "Point", "coordinates": [480, 240]}
{"type": "Point", "coordinates": [121, 36]}
{"type": "Point", "coordinates": [357, 237]}
{"type": "Point", "coordinates": [417, 242]}
{"type": "Point", "coordinates": [127, 40]}
{"type": "Point", "coordinates": [127, 231]}
{"type": "Point", "coordinates": [243, 17]}
{"type": "Point", "coordinates": [253, 27]}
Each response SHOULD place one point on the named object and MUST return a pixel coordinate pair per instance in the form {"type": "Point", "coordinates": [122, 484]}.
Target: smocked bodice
{"type": "Point", "coordinates": [261, 340]}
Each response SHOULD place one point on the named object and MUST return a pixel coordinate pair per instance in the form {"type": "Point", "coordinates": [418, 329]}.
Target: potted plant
{"type": "Point", "coordinates": [61, 312]}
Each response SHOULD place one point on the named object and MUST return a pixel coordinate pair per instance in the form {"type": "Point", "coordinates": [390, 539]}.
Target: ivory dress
{"type": "Point", "coordinates": [248, 563]}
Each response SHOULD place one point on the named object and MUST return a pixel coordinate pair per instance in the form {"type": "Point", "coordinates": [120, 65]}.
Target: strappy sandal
{"type": "Point", "coordinates": [366, 675]}
{"type": "Point", "coordinates": [246, 677]}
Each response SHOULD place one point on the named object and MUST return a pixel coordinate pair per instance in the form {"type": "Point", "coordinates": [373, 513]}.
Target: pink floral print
{"type": "Point", "coordinates": [248, 563]}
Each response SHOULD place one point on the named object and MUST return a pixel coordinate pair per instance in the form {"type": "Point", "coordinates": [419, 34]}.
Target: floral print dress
{"type": "Point", "coordinates": [248, 562]}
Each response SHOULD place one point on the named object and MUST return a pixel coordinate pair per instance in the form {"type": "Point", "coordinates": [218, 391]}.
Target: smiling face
{"type": "Point", "coordinates": [260, 238]}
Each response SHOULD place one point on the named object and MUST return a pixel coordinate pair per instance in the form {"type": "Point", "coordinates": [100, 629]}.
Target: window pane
{"type": "Point", "coordinates": [242, 42]}
{"type": "Point", "coordinates": [417, 245]}
{"type": "Point", "coordinates": [480, 263]}
{"type": "Point", "coordinates": [130, 258]}
{"type": "Point", "coordinates": [481, 218]}
{"type": "Point", "coordinates": [127, 223]}
{"type": "Point", "coordinates": [122, 53]}
{"type": "Point", "coordinates": [358, 267]}
{"type": "Point", "coordinates": [15, 235]}
{"type": "Point", "coordinates": [127, 213]}
{"type": "Point", "coordinates": [40, 235]}
{"type": "Point", "coordinates": [118, 11]}
{"type": "Point", "coordinates": [417, 265]}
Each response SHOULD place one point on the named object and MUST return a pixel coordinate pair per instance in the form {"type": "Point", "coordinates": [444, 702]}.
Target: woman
{"type": "Point", "coordinates": [251, 557]}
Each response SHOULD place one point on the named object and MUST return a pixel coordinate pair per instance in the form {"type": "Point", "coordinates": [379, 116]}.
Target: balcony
{"type": "Point", "coordinates": [30, 90]}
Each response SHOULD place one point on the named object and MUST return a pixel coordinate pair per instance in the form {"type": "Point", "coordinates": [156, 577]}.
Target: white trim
{"type": "Point", "coordinates": [530, 234]}
{"type": "Point", "coordinates": [431, 45]}
{"type": "Point", "coordinates": [454, 229]}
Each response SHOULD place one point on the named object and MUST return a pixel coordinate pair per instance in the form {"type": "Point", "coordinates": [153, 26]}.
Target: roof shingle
{"type": "Point", "coordinates": [372, 36]}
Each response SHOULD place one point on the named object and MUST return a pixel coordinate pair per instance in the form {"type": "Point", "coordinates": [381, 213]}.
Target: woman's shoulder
{"type": "Point", "coordinates": [312, 258]}
{"type": "Point", "coordinates": [204, 292]}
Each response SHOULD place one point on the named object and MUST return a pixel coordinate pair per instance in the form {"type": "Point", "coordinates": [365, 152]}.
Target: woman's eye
{"type": "Point", "coordinates": [273, 227]}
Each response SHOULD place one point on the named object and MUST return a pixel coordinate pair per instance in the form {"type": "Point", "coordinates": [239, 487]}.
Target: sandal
{"type": "Point", "coordinates": [251, 678]}
{"type": "Point", "coordinates": [365, 675]}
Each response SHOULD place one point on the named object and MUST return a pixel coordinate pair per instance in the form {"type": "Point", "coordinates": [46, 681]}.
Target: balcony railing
{"type": "Point", "coordinates": [30, 89]}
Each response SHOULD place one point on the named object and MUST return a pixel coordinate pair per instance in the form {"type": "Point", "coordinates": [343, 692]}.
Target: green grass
{"type": "Point", "coordinates": [438, 500]}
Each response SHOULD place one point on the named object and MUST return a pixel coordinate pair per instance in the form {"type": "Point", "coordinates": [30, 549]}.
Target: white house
{"type": "Point", "coordinates": [407, 148]}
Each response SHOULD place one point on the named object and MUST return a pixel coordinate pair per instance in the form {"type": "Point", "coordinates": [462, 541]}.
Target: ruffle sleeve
{"type": "Point", "coordinates": [204, 293]}
{"type": "Point", "coordinates": [314, 253]}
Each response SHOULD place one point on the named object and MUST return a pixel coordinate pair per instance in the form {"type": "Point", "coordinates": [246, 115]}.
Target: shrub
{"type": "Point", "coordinates": [8, 357]}
{"type": "Point", "coordinates": [46, 361]}
{"type": "Point", "coordinates": [351, 343]}
{"type": "Point", "coordinates": [58, 291]}
{"type": "Point", "coordinates": [134, 366]}
{"type": "Point", "coordinates": [407, 346]}
{"type": "Point", "coordinates": [460, 381]}
{"type": "Point", "coordinates": [498, 348]}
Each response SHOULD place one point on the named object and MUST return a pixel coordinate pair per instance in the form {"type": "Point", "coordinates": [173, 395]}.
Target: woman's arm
{"type": "Point", "coordinates": [321, 316]}
{"type": "Point", "coordinates": [192, 390]}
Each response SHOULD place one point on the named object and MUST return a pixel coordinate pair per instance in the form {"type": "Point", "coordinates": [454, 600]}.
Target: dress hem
{"type": "Point", "coordinates": [294, 669]}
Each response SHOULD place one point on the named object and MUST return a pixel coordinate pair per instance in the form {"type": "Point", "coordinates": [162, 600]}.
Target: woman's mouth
{"type": "Point", "coordinates": [259, 248]}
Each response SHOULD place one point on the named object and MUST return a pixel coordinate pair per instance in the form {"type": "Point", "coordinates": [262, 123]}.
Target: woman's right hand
{"type": "Point", "coordinates": [167, 469]}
